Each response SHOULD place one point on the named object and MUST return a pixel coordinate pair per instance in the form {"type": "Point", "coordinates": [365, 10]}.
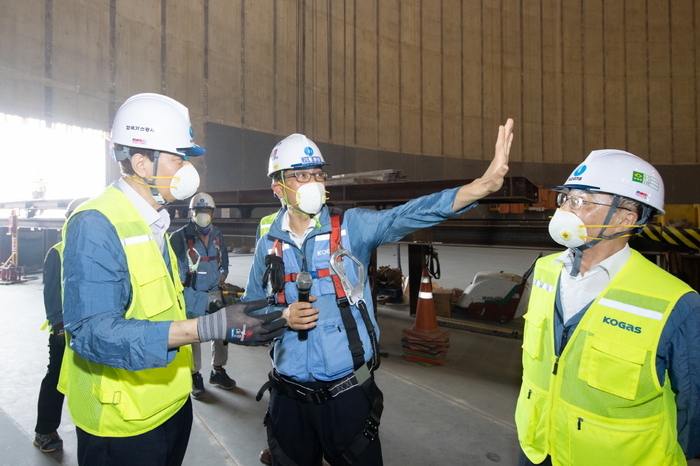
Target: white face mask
{"type": "Point", "coordinates": [202, 220]}
{"type": "Point", "coordinates": [566, 228]}
{"type": "Point", "coordinates": [185, 182]}
{"type": "Point", "coordinates": [311, 197]}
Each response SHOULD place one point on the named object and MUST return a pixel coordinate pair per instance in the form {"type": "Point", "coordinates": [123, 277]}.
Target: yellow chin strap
{"type": "Point", "coordinates": [610, 226]}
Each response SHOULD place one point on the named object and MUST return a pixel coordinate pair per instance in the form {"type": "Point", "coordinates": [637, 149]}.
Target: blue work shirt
{"type": "Point", "coordinates": [325, 356]}
{"type": "Point", "coordinates": [213, 256]}
{"type": "Point", "coordinates": [52, 288]}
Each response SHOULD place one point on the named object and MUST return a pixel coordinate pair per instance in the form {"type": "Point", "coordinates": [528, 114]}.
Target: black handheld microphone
{"type": "Point", "coordinates": [304, 287]}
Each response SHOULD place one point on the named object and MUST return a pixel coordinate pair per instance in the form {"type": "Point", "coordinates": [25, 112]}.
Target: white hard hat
{"type": "Point", "coordinates": [294, 151]}
{"type": "Point", "coordinates": [156, 122]}
{"type": "Point", "coordinates": [619, 172]}
{"type": "Point", "coordinates": [202, 201]}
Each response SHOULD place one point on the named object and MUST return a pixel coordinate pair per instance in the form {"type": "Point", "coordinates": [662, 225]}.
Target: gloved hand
{"type": "Point", "coordinates": [235, 325]}
{"type": "Point", "coordinates": [214, 305]}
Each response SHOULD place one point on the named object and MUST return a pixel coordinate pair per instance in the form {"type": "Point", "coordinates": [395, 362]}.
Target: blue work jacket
{"type": "Point", "coordinates": [324, 355]}
{"type": "Point", "coordinates": [213, 257]}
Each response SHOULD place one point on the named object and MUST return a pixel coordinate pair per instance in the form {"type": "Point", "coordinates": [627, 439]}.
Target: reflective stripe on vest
{"type": "Point", "coordinates": [602, 404]}
{"type": "Point", "coordinates": [107, 401]}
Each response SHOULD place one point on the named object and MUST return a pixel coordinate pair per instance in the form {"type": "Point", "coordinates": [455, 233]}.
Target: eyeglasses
{"type": "Point", "coordinates": [305, 177]}
{"type": "Point", "coordinates": [576, 202]}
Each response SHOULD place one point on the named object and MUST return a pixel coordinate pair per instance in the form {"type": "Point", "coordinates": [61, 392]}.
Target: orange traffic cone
{"type": "Point", "coordinates": [425, 310]}
{"type": "Point", "coordinates": [424, 342]}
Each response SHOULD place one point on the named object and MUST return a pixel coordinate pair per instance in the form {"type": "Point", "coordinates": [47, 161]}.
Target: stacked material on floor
{"type": "Point", "coordinates": [425, 342]}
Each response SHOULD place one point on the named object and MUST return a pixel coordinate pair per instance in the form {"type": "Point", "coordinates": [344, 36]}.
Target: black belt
{"type": "Point", "coordinates": [300, 392]}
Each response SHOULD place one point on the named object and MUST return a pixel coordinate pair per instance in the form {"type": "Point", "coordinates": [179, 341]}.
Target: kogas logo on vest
{"type": "Point", "coordinates": [323, 252]}
{"type": "Point", "coordinates": [622, 325]}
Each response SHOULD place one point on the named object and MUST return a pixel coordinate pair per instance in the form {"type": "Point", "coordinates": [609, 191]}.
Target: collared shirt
{"type": "Point", "coordinates": [579, 291]}
{"type": "Point", "coordinates": [157, 220]}
{"type": "Point", "coordinates": [298, 240]}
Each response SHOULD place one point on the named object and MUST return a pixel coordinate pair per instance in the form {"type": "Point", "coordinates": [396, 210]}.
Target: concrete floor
{"type": "Point", "coordinates": [457, 414]}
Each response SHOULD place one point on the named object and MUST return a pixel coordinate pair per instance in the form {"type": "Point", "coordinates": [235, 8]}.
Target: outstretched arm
{"type": "Point", "coordinates": [492, 180]}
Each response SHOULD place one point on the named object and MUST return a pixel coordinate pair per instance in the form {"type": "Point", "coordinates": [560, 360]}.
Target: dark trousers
{"type": "Point", "coordinates": [50, 405]}
{"type": "Point", "coordinates": [525, 461]}
{"type": "Point", "coordinates": [163, 446]}
{"type": "Point", "coordinates": [307, 432]}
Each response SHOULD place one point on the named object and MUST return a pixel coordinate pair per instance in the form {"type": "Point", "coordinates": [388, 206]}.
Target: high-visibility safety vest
{"type": "Point", "coordinates": [265, 224]}
{"type": "Point", "coordinates": [600, 403]}
{"type": "Point", "coordinates": [111, 402]}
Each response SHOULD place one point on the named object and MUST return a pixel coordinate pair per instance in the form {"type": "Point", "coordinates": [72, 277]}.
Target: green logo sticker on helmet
{"type": "Point", "coordinates": [647, 180]}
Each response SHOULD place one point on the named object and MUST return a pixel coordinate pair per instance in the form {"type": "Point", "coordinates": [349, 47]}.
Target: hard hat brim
{"type": "Point", "coordinates": [568, 187]}
{"type": "Point", "coordinates": [194, 151]}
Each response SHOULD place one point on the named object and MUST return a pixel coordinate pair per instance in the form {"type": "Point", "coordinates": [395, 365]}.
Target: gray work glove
{"type": "Point", "coordinates": [234, 324]}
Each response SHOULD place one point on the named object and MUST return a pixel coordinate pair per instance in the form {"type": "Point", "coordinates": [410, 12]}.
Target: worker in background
{"type": "Point", "coordinates": [323, 400]}
{"type": "Point", "coordinates": [611, 349]}
{"type": "Point", "coordinates": [50, 404]}
{"type": "Point", "coordinates": [127, 370]}
{"type": "Point", "coordinates": [203, 263]}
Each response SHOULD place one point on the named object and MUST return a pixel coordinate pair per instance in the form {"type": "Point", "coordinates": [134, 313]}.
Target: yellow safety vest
{"type": "Point", "coordinates": [111, 402]}
{"type": "Point", "coordinates": [600, 403]}
{"type": "Point", "coordinates": [265, 224]}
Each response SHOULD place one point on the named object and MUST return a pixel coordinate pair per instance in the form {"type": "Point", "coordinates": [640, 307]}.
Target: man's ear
{"type": "Point", "coordinates": [630, 218]}
{"type": "Point", "coordinates": [278, 190]}
{"type": "Point", "coordinates": [140, 165]}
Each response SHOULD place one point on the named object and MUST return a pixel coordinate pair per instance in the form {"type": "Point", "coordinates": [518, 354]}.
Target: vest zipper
{"type": "Point", "coordinates": [580, 420]}
{"type": "Point", "coordinates": [556, 366]}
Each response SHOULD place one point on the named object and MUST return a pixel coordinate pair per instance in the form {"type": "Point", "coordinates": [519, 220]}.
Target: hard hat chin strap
{"type": "Point", "coordinates": [154, 191]}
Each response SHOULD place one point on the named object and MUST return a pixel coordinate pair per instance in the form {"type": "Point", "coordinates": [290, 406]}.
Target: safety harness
{"type": "Point", "coordinates": [194, 258]}
{"type": "Point", "coordinates": [362, 374]}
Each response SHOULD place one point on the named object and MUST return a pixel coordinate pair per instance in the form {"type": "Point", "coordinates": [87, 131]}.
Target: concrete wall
{"type": "Point", "coordinates": [419, 85]}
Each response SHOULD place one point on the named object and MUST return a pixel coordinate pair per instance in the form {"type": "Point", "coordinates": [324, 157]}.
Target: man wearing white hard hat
{"type": "Point", "coordinates": [312, 263]}
{"type": "Point", "coordinates": [611, 349]}
{"type": "Point", "coordinates": [126, 372]}
{"type": "Point", "coordinates": [203, 263]}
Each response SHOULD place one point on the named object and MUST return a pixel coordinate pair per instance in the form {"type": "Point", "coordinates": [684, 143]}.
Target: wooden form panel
{"type": "Point", "coordinates": [472, 99]}
{"type": "Point", "coordinates": [365, 75]}
{"type": "Point", "coordinates": [531, 127]}
{"type": "Point", "coordinates": [572, 83]}
{"type": "Point", "coordinates": [183, 70]}
{"type": "Point", "coordinates": [593, 76]}
{"type": "Point", "coordinates": [316, 108]}
{"type": "Point", "coordinates": [636, 93]}
{"type": "Point", "coordinates": [684, 88]}
{"type": "Point", "coordinates": [511, 107]}
{"type": "Point", "coordinates": [75, 24]}
{"type": "Point", "coordinates": [660, 136]}
{"type": "Point", "coordinates": [258, 65]}
{"type": "Point", "coordinates": [451, 72]}
{"type": "Point", "coordinates": [286, 81]}
{"type": "Point", "coordinates": [225, 82]}
{"type": "Point", "coordinates": [410, 77]}
{"type": "Point", "coordinates": [388, 73]}
{"type": "Point", "coordinates": [138, 49]}
{"type": "Point", "coordinates": [419, 77]}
